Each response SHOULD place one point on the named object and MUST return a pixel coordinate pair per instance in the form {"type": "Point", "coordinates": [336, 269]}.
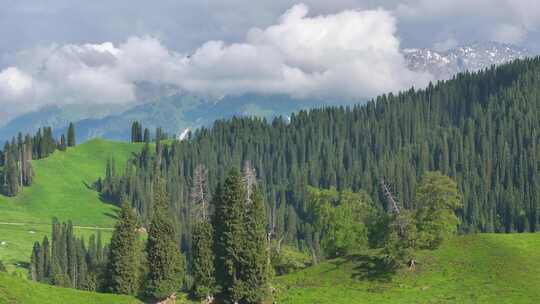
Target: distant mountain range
{"type": "Point", "coordinates": [473, 57]}
{"type": "Point", "coordinates": [176, 111]}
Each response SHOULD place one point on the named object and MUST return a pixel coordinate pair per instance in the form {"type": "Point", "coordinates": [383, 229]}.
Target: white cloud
{"type": "Point", "coordinates": [509, 33]}
{"type": "Point", "coordinates": [351, 54]}
{"type": "Point", "coordinates": [509, 21]}
{"type": "Point", "coordinates": [14, 83]}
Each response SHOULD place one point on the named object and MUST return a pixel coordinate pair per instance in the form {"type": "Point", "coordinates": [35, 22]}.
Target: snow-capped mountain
{"type": "Point", "coordinates": [473, 57]}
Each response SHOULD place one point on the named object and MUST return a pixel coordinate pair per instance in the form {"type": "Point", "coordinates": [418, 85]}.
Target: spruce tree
{"type": "Point", "coordinates": [45, 248]}
{"type": "Point", "coordinates": [202, 239]}
{"type": "Point", "coordinates": [146, 138]}
{"type": "Point", "coordinates": [71, 135]}
{"type": "Point", "coordinates": [63, 144]}
{"type": "Point", "coordinates": [11, 176]}
{"type": "Point", "coordinates": [135, 132]}
{"type": "Point", "coordinates": [203, 260]}
{"type": "Point", "coordinates": [229, 237]}
{"type": "Point", "coordinates": [122, 268]}
{"type": "Point", "coordinates": [255, 271]}
{"type": "Point", "coordinates": [165, 262]}
{"type": "Point", "coordinates": [36, 263]}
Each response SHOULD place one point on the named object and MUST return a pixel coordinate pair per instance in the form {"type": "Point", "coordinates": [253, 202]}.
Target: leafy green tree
{"type": "Point", "coordinates": [123, 268]}
{"type": "Point", "coordinates": [71, 135]}
{"type": "Point", "coordinates": [401, 241]}
{"type": "Point", "coordinates": [165, 262]}
{"type": "Point", "coordinates": [341, 219]}
{"type": "Point", "coordinates": [437, 199]}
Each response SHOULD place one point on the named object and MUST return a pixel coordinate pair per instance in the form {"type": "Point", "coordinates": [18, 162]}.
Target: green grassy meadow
{"type": "Point", "coordinates": [15, 290]}
{"type": "Point", "coordinates": [482, 268]}
{"type": "Point", "coordinates": [60, 189]}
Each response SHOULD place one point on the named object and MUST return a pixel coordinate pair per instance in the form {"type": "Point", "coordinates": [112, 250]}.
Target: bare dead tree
{"type": "Point", "coordinates": [250, 179]}
{"type": "Point", "coordinates": [199, 193]}
{"type": "Point", "coordinates": [392, 203]}
{"type": "Point", "coordinates": [400, 220]}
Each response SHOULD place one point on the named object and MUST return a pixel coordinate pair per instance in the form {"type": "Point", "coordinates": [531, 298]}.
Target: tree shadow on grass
{"type": "Point", "coordinates": [372, 268]}
{"type": "Point", "coordinates": [22, 264]}
{"type": "Point", "coordinates": [111, 215]}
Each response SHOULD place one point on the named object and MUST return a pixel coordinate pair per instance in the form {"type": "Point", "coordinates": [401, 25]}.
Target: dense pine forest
{"type": "Point", "coordinates": [482, 129]}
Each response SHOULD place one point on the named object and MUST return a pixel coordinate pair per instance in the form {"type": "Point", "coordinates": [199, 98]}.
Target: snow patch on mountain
{"type": "Point", "coordinates": [473, 57]}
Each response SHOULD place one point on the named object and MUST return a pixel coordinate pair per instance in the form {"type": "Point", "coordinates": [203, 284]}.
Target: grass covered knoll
{"type": "Point", "coordinates": [61, 186]}
{"type": "Point", "coordinates": [60, 189]}
{"type": "Point", "coordinates": [17, 290]}
{"type": "Point", "coordinates": [482, 268]}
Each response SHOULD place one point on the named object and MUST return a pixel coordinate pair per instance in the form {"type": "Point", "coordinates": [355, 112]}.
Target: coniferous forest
{"type": "Point", "coordinates": [396, 175]}
{"type": "Point", "coordinates": [479, 128]}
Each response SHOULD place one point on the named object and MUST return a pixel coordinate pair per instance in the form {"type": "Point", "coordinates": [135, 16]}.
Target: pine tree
{"type": "Point", "coordinates": [203, 260]}
{"type": "Point", "coordinates": [166, 264]}
{"type": "Point", "coordinates": [82, 265]}
{"type": "Point", "coordinates": [71, 135]}
{"type": "Point", "coordinates": [63, 145]}
{"type": "Point", "coordinates": [229, 237]}
{"type": "Point", "coordinates": [45, 248]}
{"type": "Point", "coordinates": [135, 132]}
{"type": "Point", "coordinates": [255, 272]}
{"type": "Point", "coordinates": [36, 263]}
{"type": "Point", "coordinates": [202, 239]}
{"type": "Point", "coordinates": [11, 179]}
{"type": "Point", "coordinates": [122, 268]}
{"type": "Point", "coordinates": [146, 138]}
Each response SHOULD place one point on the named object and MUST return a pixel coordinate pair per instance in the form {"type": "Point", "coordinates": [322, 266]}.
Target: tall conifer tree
{"type": "Point", "coordinates": [229, 237]}
{"type": "Point", "coordinates": [255, 256]}
{"type": "Point", "coordinates": [71, 135]}
{"type": "Point", "coordinates": [123, 262]}
{"type": "Point", "coordinates": [166, 265]}
{"type": "Point", "coordinates": [202, 238]}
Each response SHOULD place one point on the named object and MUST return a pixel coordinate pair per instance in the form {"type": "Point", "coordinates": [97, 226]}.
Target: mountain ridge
{"type": "Point", "coordinates": [176, 111]}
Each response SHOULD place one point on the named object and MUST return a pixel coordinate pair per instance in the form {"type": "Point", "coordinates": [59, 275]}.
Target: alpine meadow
{"type": "Point", "coordinates": [273, 152]}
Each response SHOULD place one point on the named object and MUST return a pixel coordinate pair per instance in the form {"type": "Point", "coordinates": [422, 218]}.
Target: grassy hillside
{"type": "Point", "coordinates": [16, 290]}
{"type": "Point", "coordinates": [485, 268]}
{"type": "Point", "coordinates": [61, 189]}
{"type": "Point", "coordinates": [61, 186]}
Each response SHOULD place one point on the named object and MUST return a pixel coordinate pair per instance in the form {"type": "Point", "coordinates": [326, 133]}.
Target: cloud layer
{"type": "Point", "coordinates": [507, 21]}
{"type": "Point", "coordinates": [353, 54]}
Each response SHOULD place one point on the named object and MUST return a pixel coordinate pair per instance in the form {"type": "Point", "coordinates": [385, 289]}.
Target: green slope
{"type": "Point", "coordinates": [16, 290]}
{"type": "Point", "coordinates": [61, 186]}
{"type": "Point", "coordinates": [60, 190]}
{"type": "Point", "coordinates": [484, 268]}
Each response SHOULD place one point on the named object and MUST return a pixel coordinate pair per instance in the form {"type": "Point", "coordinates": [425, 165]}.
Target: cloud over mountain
{"type": "Point", "coordinates": [351, 54]}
